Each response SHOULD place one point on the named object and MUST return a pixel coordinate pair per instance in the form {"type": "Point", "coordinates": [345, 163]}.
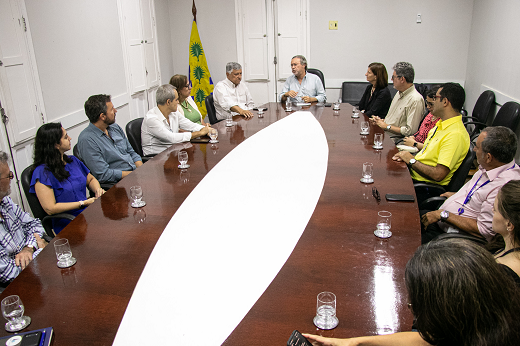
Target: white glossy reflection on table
{"type": "Point", "coordinates": [202, 278]}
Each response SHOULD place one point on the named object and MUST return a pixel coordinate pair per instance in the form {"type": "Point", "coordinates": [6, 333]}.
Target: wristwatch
{"type": "Point", "coordinates": [415, 144]}
{"type": "Point", "coordinates": [389, 127]}
{"type": "Point", "coordinates": [445, 215]}
{"type": "Point", "coordinates": [412, 161]}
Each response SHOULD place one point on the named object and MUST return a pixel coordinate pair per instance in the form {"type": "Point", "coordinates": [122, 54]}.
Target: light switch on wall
{"type": "Point", "coordinates": [333, 25]}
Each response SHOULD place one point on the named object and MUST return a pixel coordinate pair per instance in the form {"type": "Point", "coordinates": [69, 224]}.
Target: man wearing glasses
{"type": "Point", "coordinates": [407, 108]}
{"type": "Point", "coordinates": [20, 235]}
{"type": "Point", "coordinates": [447, 143]}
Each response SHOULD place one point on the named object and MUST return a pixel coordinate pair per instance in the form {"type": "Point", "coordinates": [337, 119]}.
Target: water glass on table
{"type": "Point", "coordinates": [364, 127]}
{"type": "Point", "coordinates": [136, 193]}
{"type": "Point", "coordinates": [213, 134]}
{"type": "Point", "coordinates": [326, 311]}
{"type": "Point", "coordinates": [378, 141]}
{"type": "Point", "coordinates": [260, 112]}
{"type": "Point", "coordinates": [63, 253]}
{"type": "Point", "coordinates": [367, 173]}
{"type": "Point", "coordinates": [183, 158]}
{"type": "Point", "coordinates": [229, 119]}
{"type": "Point", "coordinates": [355, 112]}
{"type": "Point", "coordinates": [12, 310]}
{"type": "Point", "coordinates": [288, 105]}
{"type": "Point", "coordinates": [384, 223]}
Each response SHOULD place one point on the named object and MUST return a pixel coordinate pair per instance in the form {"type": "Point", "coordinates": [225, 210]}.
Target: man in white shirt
{"type": "Point", "coordinates": [231, 96]}
{"type": "Point", "coordinates": [160, 128]}
{"type": "Point", "coordinates": [302, 86]}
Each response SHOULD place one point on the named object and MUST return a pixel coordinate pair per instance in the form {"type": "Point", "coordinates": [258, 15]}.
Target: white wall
{"type": "Point", "coordinates": [494, 50]}
{"type": "Point", "coordinates": [164, 39]}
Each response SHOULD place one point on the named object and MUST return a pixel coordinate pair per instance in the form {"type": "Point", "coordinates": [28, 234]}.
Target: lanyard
{"type": "Point", "coordinates": [473, 190]}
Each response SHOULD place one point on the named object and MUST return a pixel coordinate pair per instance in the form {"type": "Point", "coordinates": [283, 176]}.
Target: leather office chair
{"type": "Point", "coordinates": [508, 115]}
{"type": "Point", "coordinates": [393, 90]}
{"type": "Point", "coordinates": [210, 108]}
{"type": "Point", "coordinates": [317, 73]}
{"type": "Point", "coordinates": [352, 92]}
{"type": "Point", "coordinates": [457, 181]}
{"type": "Point", "coordinates": [36, 207]}
{"type": "Point", "coordinates": [133, 132]}
{"type": "Point", "coordinates": [481, 115]}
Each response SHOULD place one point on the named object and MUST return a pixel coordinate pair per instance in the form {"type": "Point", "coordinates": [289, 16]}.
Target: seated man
{"type": "Point", "coordinates": [160, 128]}
{"type": "Point", "coordinates": [407, 108]}
{"type": "Point", "coordinates": [231, 96]}
{"type": "Point", "coordinates": [302, 86]}
{"type": "Point", "coordinates": [470, 210]}
{"type": "Point", "coordinates": [447, 143]}
{"type": "Point", "coordinates": [20, 235]}
{"type": "Point", "coordinates": [103, 145]}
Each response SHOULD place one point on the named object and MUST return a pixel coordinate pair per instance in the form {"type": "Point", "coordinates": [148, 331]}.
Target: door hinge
{"type": "Point", "coordinates": [43, 119]}
{"type": "Point", "coordinates": [24, 24]}
{"type": "Point", "coordinates": [1, 63]}
{"type": "Point", "coordinates": [275, 61]}
{"type": "Point", "coordinates": [5, 118]}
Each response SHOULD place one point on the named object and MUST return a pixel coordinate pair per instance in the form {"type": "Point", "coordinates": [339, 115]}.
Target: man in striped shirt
{"type": "Point", "coordinates": [20, 234]}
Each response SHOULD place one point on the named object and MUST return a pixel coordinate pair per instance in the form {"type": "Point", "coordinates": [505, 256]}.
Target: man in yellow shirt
{"type": "Point", "coordinates": [447, 143]}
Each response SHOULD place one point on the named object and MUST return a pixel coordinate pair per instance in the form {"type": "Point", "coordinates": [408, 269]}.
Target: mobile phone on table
{"type": "Point", "coordinates": [31, 339]}
{"type": "Point", "coordinates": [297, 339]}
{"type": "Point", "coordinates": [399, 198]}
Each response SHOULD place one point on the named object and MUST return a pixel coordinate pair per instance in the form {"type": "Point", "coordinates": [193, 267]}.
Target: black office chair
{"type": "Point", "coordinates": [317, 73]}
{"type": "Point", "coordinates": [36, 207]}
{"type": "Point", "coordinates": [508, 115]}
{"type": "Point", "coordinates": [352, 92]}
{"type": "Point", "coordinates": [481, 115]}
{"type": "Point", "coordinates": [210, 108]}
{"type": "Point", "coordinates": [392, 90]}
{"type": "Point", "coordinates": [133, 132]}
{"type": "Point", "coordinates": [457, 181]}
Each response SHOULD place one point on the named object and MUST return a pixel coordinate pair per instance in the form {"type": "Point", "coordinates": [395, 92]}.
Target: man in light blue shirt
{"type": "Point", "coordinates": [302, 86]}
{"type": "Point", "coordinates": [103, 145]}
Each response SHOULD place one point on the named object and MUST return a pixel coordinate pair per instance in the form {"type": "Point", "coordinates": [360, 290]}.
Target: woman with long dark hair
{"type": "Point", "coordinates": [458, 295]}
{"type": "Point", "coordinates": [376, 99]}
{"type": "Point", "coordinates": [58, 180]}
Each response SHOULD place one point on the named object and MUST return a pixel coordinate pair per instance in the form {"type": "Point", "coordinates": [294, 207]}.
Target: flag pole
{"type": "Point", "coordinates": [194, 11]}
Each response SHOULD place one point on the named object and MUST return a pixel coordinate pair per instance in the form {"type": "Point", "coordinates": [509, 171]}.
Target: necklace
{"type": "Point", "coordinates": [186, 107]}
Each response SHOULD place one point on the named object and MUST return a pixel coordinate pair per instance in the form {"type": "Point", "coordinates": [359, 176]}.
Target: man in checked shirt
{"type": "Point", "coordinates": [20, 234]}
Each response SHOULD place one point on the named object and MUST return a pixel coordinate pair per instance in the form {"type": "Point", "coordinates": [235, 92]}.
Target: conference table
{"type": "Point", "coordinates": [337, 251]}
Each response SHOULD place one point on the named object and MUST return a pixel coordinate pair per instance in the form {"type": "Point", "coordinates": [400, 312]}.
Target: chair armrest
{"type": "Point", "coordinates": [432, 203]}
{"type": "Point", "coordinates": [47, 222]}
{"type": "Point", "coordinates": [145, 158]}
{"type": "Point", "coordinates": [433, 189]}
{"type": "Point", "coordinates": [478, 240]}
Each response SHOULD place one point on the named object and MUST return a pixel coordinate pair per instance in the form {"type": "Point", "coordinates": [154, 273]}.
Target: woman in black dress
{"type": "Point", "coordinates": [376, 100]}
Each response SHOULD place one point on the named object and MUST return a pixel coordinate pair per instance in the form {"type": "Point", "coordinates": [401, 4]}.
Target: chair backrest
{"type": "Point", "coordinates": [508, 115]}
{"type": "Point", "coordinates": [319, 74]}
{"type": "Point", "coordinates": [34, 203]}
{"type": "Point", "coordinates": [482, 110]}
{"type": "Point", "coordinates": [133, 132]}
{"type": "Point", "coordinates": [75, 151]}
{"type": "Point", "coordinates": [459, 177]}
{"type": "Point", "coordinates": [352, 92]}
{"type": "Point", "coordinates": [210, 108]}
{"type": "Point", "coordinates": [393, 90]}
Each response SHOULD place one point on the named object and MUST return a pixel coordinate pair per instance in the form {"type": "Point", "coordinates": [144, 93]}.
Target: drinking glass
{"type": "Point", "coordinates": [364, 127]}
{"type": "Point", "coordinates": [337, 104]}
{"type": "Point", "coordinates": [326, 311]}
{"type": "Point", "coordinates": [355, 112]}
{"type": "Point", "coordinates": [260, 112]}
{"type": "Point", "coordinates": [229, 119]}
{"type": "Point", "coordinates": [136, 193]}
{"type": "Point", "coordinates": [213, 134]}
{"type": "Point", "coordinates": [378, 141]}
{"type": "Point", "coordinates": [367, 173]}
{"type": "Point", "coordinates": [384, 223]}
{"type": "Point", "coordinates": [288, 105]}
{"type": "Point", "coordinates": [183, 158]}
{"type": "Point", "coordinates": [63, 253]}
{"type": "Point", "coordinates": [12, 310]}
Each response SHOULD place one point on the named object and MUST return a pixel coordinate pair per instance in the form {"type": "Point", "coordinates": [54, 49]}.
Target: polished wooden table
{"type": "Point", "coordinates": [337, 251]}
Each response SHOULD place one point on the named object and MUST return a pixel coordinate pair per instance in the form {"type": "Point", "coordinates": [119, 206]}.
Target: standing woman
{"type": "Point", "coordinates": [188, 107]}
{"type": "Point", "coordinates": [60, 181]}
{"type": "Point", "coordinates": [377, 99]}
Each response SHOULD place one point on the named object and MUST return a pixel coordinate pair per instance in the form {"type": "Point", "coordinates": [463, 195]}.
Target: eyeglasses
{"type": "Point", "coordinates": [187, 86]}
{"type": "Point", "coordinates": [10, 176]}
{"type": "Point", "coordinates": [429, 104]}
{"type": "Point", "coordinates": [376, 194]}
{"type": "Point", "coordinates": [437, 97]}
{"type": "Point", "coordinates": [395, 77]}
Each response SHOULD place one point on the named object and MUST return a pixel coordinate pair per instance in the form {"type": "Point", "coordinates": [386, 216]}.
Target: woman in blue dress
{"type": "Point", "coordinates": [60, 181]}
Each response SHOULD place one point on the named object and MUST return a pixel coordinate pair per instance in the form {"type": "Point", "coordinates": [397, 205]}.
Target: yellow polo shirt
{"type": "Point", "coordinates": [447, 144]}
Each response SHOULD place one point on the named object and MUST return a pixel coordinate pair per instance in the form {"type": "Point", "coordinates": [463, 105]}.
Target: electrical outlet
{"type": "Point", "coordinates": [333, 25]}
